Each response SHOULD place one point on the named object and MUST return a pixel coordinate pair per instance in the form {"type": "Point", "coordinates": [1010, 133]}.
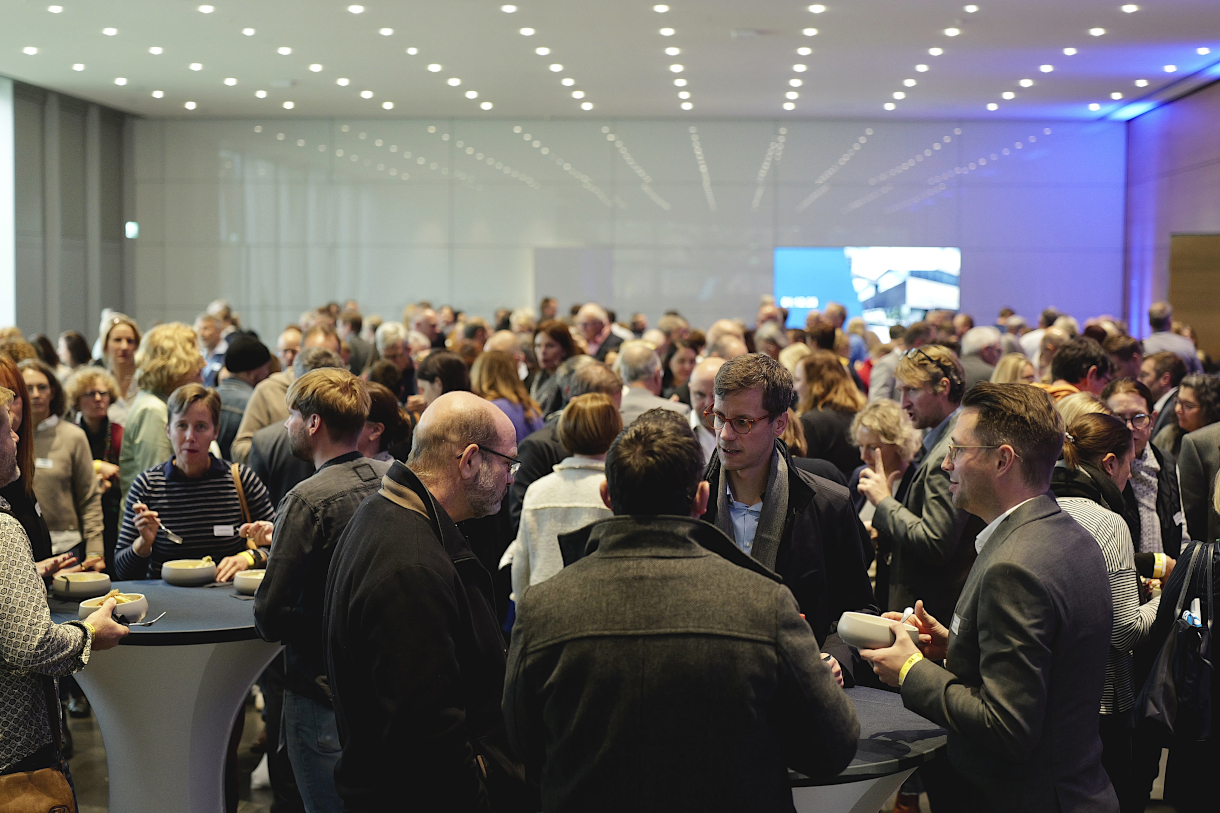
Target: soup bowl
{"type": "Point", "coordinates": [76, 586]}
{"type": "Point", "coordinates": [247, 581]}
{"type": "Point", "coordinates": [131, 611]}
{"type": "Point", "coordinates": [188, 572]}
{"type": "Point", "coordinates": [864, 631]}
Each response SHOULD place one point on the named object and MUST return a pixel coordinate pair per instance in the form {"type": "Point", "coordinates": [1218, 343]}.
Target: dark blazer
{"type": "Point", "coordinates": [826, 438]}
{"type": "Point", "coordinates": [1198, 462]}
{"type": "Point", "coordinates": [415, 663]}
{"type": "Point", "coordinates": [1166, 416]}
{"type": "Point", "coordinates": [1020, 691]}
{"type": "Point", "coordinates": [976, 369]}
{"type": "Point", "coordinates": [612, 343]}
{"type": "Point", "coordinates": [272, 460]}
{"type": "Point", "coordinates": [363, 354]}
{"type": "Point", "coordinates": [656, 675]}
{"type": "Point", "coordinates": [931, 541]}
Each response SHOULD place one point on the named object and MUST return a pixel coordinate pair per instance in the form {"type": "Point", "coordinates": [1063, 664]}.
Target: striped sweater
{"type": "Point", "coordinates": [204, 511]}
{"type": "Point", "coordinates": [1132, 621]}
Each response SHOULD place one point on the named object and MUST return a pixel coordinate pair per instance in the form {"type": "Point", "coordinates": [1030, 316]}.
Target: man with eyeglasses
{"type": "Point", "coordinates": [414, 654]}
{"type": "Point", "coordinates": [797, 524]}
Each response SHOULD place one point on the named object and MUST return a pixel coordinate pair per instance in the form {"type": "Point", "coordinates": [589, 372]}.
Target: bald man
{"type": "Point", "coordinates": [640, 368]}
{"type": "Point", "coordinates": [414, 655]}
{"type": "Point", "coordinates": [702, 385]}
{"type": "Point", "coordinates": [728, 346]}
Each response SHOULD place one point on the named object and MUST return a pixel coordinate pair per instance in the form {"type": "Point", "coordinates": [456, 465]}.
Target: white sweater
{"type": "Point", "coordinates": [565, 500]}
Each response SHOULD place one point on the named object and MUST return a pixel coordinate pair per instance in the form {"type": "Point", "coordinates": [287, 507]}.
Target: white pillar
{"type": "Point", "coordinates": [8, 222]}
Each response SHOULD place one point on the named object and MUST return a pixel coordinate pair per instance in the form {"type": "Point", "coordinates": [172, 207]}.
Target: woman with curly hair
{"type": "Point", "coordinates": [1198, 406]}
{"type": "Point", "coordinates": [90, 392]}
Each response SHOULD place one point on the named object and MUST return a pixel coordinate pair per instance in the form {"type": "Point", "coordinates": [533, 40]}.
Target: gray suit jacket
{"type": "Point", "coordinates": [637, 401]}
{"type": "Point", "coordinates": [881, 379]}
{"type": "Point", "coordinates": [976, 369]}
{"type": "Point", "coordinates": [931, 542]}
{"type": "Point", "coordinates": [1020, 691]}
{"type": "Point", "coordinates": [1198, 462]}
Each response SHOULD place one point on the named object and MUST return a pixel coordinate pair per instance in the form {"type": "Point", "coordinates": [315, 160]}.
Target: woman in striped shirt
{"type": "Point", "coordinates": [1088, 484]}
{"type": "Point", "coordinates": [194, 496]}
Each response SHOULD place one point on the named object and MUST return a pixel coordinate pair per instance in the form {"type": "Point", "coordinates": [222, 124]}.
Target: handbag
{"type": "Point", "coordinates": [45, 790]}
{"type": "Point", "coordinates": [1176, 700]}
{"type": "Point", "coordinates": [235, 470]}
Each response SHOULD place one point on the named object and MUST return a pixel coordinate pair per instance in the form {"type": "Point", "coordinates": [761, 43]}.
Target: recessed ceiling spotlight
{"type": "Point", "coordinates": [680, 83]}
{"type": "Point", "coordinates": [898, 94]}
{"type": "Point", "coordinates": [1069, 52]}
{"type": "Point", "coordinates": [366, 94]}
{"type": "Point", "coordinates": [342, 81]}
{"type": "Point", "coordinates": [1116, 95]}
{"type": "Point", "coordinates": [676, 68]}
{"type": "Point", "coordinates": [889, 105]}
{"type": "Point", "coordinates": [387, 105]}
{"type": "Point", "coordinates": [157, 94]}
{"type": "Point", "coordinates": [527, 32]}
{"type": "Point", "coordinates": [283, 50]}
{"type": "Point", "coordinates": [29, 50]}
{"type": "Point", "coordinates": [804, 51]}
{"type": "Point", "coordinates": [909, 82]}
{"type": "Point", "coordinates": [660, 9]}
{"type": "Point", "coordinates": [1130, 8]}
{"type": "Point", "coordinates": [789, 106]}
{"type": "Point", "coordinates": [316, 68]}
{"type": "Point", "coordinates": [156, 50]}
{"type": "Point", "coordinates": [817, 8]}
{"type": "Point", "coordinates": [684, 94]}
{"type": "Point", "coordinates": [472, 94]}
{"type": "Point", "coordinates": [809, 32]}
{"type": "Point", "coordinates": [1026, 83]}
{"type": "Point", "coordinates": [508, 9]}
{"type": "Point", "coordinates": [1141, 83]}
{"type": "Point", "coordinates": [672, 51]}
{"type": "Point", "coordinates": [260, 94]}
{"type": "Point", "coordinates": [792, 94]}
{"type": "Point", "coordinates": [1095, 107]}
{"type": "Point", "coordinates": [231, 81]}
{"type": "Point", "coordinates": [189, 105]}
{"type": "Point", "coordinates": [970, 9]}
{"type": "Point", "coordinates": [952, 32]}
{"type": "Point", "coordinates": [556, 67]}
{"type": "Point", "coordinates": [567, 81]}
{"type": "Point", "coordinates": [1008, 94]}
{"type": "Point", "coordinates": [249, 32]}
{"type": "Point", "coordinates": [289, 105]}
{"type": "Point", "coordinates": [799, 68]}
{"type": "Point", "coordinates": [79, 66]}
{"type": "Point", "coordinates": [666, 32]}
{"type": "Point", "coordinates": [454, 81]}
{"type": "Point", "coordinates": [1046, 68]}
{"type": "Point", "coordinates": [796, 83]}
{"type": "Point", "coordinates": [55, 9]}
{"type": "Point", "coordinates": [120, 81]}
{"type": "Point", "coordinates": [434, 67]}
{"type": "Point", "coordinates": [543, 51]}
{"type": "Point", "coordinates": [578, 94]}
{"type": "Point", "coordinates": [687, 106]}
{"type": "Point", "coordinates": [486, 105]}
{"type": "Point", "coordinates": [586, 106]}
{"type": "Point", "coordinates": [356, 9]}
{"type": "Point", "coordinates": [206, 9]}
{"type": "Point", "coordinates": [386, 32]}
{"type": "Point", "coordinates": [1170, 68]}
{"type": "Point", "coordinates": [936, 51]}
{"type": "Point", "coordinates": [1203, 51]}
{"type": "Point", "coordinates": [110, 32]}
{"type": "Point", "coordinates": [196, 66]}
{"type": "Point", "coordinates": [921, 68]}
{"type": "Point", "coordinates": [993, 106]}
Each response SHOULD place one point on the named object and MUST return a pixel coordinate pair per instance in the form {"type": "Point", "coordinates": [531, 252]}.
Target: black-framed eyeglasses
{"type": "Point", "coordinates": [1139, 420]}
{"type": "Point", "coordinates": [514, 464]}
{"type": "Point", "coordinates": [742, 426]}
{"type": "Point", "coordinates": [95, 394]}
{"type": "Point", "coordinates": [954, 449]}
{"type": "Point", "coordinates": [915, 352]}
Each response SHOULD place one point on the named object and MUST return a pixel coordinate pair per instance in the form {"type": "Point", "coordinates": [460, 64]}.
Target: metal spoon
{"type": "Point", "coordinates": [173, 537]}
{"type": "Point", "coordinates": [119, 619]}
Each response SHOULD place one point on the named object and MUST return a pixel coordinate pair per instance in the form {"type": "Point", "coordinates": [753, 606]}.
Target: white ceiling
{"type": "Point", "coordinates": [737, 56]}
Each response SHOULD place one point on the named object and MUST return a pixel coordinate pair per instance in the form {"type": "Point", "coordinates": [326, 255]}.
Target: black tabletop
{"type": "Point", "coordinates": [193, 615]}
{"type": "Point", "coordinates": [892, 739]}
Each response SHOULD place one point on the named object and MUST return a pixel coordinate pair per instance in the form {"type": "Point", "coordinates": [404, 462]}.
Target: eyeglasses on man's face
{"type": "Point", "coordinates": [514, 464]}
{"type": "Point", "coordinates": [955, 449]}
{"type": "Point", "coordinates": [1139, 420]}
{"type": "Point", "coordinates": [716, 421]}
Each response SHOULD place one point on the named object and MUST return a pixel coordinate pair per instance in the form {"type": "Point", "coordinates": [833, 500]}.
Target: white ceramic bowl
{"type": "Point", "coordinates": [247, 581]}
{"type": "Point", "coordinates": [864, 631]}
{"type": "Point", "coordinates": [188, 572]}
{"type": "Point", "coordinates": [76, 586]}
{"type": "Point", "coordinates": [131, 612]}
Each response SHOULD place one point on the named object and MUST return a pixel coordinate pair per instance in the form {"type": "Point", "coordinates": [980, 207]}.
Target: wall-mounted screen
{"type": "Point", "coordinates": [886, 285]}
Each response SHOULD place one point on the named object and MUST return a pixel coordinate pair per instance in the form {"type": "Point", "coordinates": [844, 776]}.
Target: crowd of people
{"type": "Point", "coordinates": [572, 562]}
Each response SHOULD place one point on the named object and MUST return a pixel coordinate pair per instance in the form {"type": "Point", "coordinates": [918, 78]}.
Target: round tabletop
{"type": "Point", "coordinates": [892, 739]}
{"type": "Point", "coordinates": [211, 614]}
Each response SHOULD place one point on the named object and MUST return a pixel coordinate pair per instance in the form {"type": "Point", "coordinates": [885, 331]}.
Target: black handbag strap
{"type": "Point", "coordinates": [1210, 595]}
{"type": "Point", "coordinates": [1190, 572]}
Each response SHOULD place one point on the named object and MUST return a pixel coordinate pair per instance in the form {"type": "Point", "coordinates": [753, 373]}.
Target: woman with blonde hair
{"type": "Point", "coordinates": [1013, 368]}
{"type": "Point", "coordinates": [494, 377]}
{"type": "Point", "coordinates": [827, 400]}
{"type": "Point", "coordinates": [167, 359]}
{"type": "Point", "coordinates": [90, 392]}
{"type": "Point", "coordinates": [120, 340]}
{"type": "Point", "coordinates": [1077, 404]}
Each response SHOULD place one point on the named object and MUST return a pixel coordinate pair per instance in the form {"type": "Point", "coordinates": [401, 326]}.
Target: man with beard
{"type": "Point", "coordinates": [413, 649]}
{"type": "Point", "coordinates": [327, 409]}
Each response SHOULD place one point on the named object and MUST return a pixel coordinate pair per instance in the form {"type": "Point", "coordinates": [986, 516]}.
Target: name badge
{"type": "Point", "coordinates": [44, 463]}
{"type": "Point", "coordinates": [223, 530]}
{"type": "Point", "coordinates": [957, 623]}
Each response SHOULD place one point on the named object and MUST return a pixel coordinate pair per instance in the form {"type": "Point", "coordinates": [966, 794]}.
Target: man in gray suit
{"type": "Point", "coordinates": [930, 542]}
{"type": "Point", "coordinates": [1025, 649]}
{"type": "Point", "coordinates": [640, 370]}
{"type": "Point", "coordinates": [981, 351]}
{"type": "Point", "coordinates": [1198, 464]}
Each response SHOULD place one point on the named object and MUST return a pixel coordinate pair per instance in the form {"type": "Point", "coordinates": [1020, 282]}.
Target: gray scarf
{"type": "Point", "coordinates": [770, 520]}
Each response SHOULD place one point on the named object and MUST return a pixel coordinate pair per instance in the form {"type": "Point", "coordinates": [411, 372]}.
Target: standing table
{"type": "Point", "coordinates": [167, 697]}
{"type": "Point", "coordinates": [893, 743]}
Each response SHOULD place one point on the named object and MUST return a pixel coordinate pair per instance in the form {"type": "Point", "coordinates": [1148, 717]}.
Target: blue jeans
{"type": "Point", "coordinates": [312, 736]}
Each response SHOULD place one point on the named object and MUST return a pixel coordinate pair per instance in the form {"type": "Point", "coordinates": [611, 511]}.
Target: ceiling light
{"type": "Point", "coordinates": [249, 32]}
{"type": "Point", "coordinates": [909, 82]}
{"type": "Point", "coordinates": [586, 106]}
{"type": "Point", "coordinates": [189, 105]}
{"type": "Point", "coordinates": [486, 105]}
{"type": "Point", "coordinates": [1026, 83]}
{"type": "Point", "coordinates": [667, 32]}
{"type": "Point", "coordinates": [387, 105]}
{"type": "Point", "coordinates": [1046, 68]}
{"type": "Point", "coordinates": [792, 94]}
{"type": "Point", "coordinates": [356, 9]}
{"type": "Point", "coordinates": [79, 66]}
{"type": "Point", "coordinates": [1069, 52]}
{"type": "Point", "coordinates": [206, 9]}
{"type": "Point", "coordinates": [898, 94]}
{"type": "Point", "coordinates": [676, 68]}
{"type": "Point", "coordinates": [556, 67]}
{"type": "Point", "coordinates": [120, 81]}
{"type": "Point", "coordinates": [660, 9]}
{"type": "Point", "coordinates": [157, 94]}
{"type": "Point", "coordinates": [1130, 8]}
{"type": "Point", "coordinates": [29, 50]}
{"type": "Point", "coordinates": [472, 94]}
{"type": "Point", "coordinates": [936, 51]}
{"type": "Point", "coordinates": [993, 106]}
{"type": "Point", "coordinates": [567, 81]}
{"type": "Point", "coordinates": [1171, 68]}
{"type": "Point", "coordinates": [366, 94]}
{"type": "Point", "coordinates": [196, 66]}
{"type": "Point", "coordinates": [1141, 83]}
{"type": "Point", "coordinates": [799, 68]}
{"type": "Point", "coordinates": [156, 50]}
{"type": "Point", "coordinates": [889, 105]}
{"type": "Point", "coordinates": [952, 32]}
{"type": "Point", "coordinates": [789, 106]}
{"type": "Point", "coordinates": [809, 32]}
{"type": "Point", "coordinates": [680, 83]}
{"type": "Point", "coordinates": [454, 81]}
{"type": "Point", "coordinates": [1096, 32]}
{"type": "Point", "coordinates": [817, 8]}
{"type": "Point", "coordinates": [970, 9]}
{"type": "Point", "coordinates": [1203, 51]}
{"type": "Point", "coordinates": [578, 94]}
{"type": "Point", "coordinates": [283, 50]}
{"type": "Point", "coordinates": [684, 94]}
{"type": "Point", "coordinates": [110, 32]}
{"type": "Point", "coordinates": [1008, 94]}
{"type": "Point", "coordinates": [289, 105]}
{"type": "Point", "coordinates": [796, 83]}
{"type": "Point", "coordinates": [687, 106]}
{"type": "Point", "coordinates": [673, 51]}
{"type": "Point", "coordinates": [1095, 106]}
{"type": "Point", "coordinates": [316, 68]}
{"type": "Point", "coordinates": [527, 32]}
{"type": "Point", "coordinates": [260, 94]}
{"type": "Point", "coordinates": [804, 51]}
{"type": "Point", "coordinates": [231, 81]}
{"type": "Point", "coordinates": [55, 9]}
{"type": "Point", "coordinates": [543, 51]}
{"type": "Point", "coordinates": [412, 51]}
{"type": "Point", "coordinates": [508, 9]}
{"type": "Point", "coordinates": [386, 32]}
{"type": "Point", "coordinates": [1116, 95]}
{"type": "Point", "coordinates": [921, 68]}
{"type": "Point", "coordinates": [342, 81]}
{"type": "Point", "coordinates": [434, 67]}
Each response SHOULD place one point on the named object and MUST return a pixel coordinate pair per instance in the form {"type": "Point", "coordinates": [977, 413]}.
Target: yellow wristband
{"type": "Point", "coordinates": [1158, 565]}
{"type": "Point", "coordinates": [249, 557]}
{"type": "Point", "coordinates": [97, 466]}
{"type": "Point", "coordinates": [906, 667]}
{"type": "Point", "coordinates": [88, 626]}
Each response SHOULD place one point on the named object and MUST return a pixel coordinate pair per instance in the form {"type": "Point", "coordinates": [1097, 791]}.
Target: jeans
{"type": "Point", "coordinates": [312, 735]}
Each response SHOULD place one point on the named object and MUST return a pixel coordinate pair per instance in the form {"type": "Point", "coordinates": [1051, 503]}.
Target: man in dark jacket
{"type": "Point", "coordinates": [800, 526]}
{"type": "Point", "coordinates": [414, 655]}
{"type": "Point", "coordinates": [699, 688]}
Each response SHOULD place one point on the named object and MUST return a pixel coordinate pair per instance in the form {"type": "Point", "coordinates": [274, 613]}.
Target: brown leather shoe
{"type": "Point", "coordinates": [907, 803]}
